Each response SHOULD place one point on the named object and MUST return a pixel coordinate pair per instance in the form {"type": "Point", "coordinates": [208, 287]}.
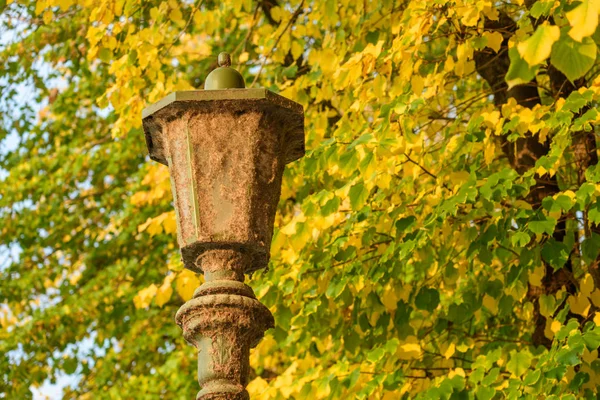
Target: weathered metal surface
{"type": "Point", "coordinates": [226, 151]}
{"type": "Point", "coordinates": [224, 321]}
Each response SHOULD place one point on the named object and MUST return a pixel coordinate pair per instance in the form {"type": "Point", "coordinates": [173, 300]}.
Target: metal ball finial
{"type": "Point", "coordinates": [224, 59]}
{"type": "Point", "coordinates": [224, 77]}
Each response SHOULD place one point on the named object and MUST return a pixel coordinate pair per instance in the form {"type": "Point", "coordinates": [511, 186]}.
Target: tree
{"type": "Point", "coordinates": [439, 240]}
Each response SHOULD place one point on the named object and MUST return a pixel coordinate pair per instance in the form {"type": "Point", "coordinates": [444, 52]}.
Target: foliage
{"type": "Point", "coordinates": [439, 240]}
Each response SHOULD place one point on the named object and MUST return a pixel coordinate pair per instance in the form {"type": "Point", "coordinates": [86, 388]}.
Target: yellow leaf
{"type": "Point", "coordinates": [450, 351]}
{"type": "Point", "coordinates": [374, 50]}
{"type": "Point", "coordinates": [296, 50]}
{"type": "Point", "coordinates": [175, 264]}
{"type": "Point", "coordinates": [119, 4]}
{"type": "Point", "coordinates": [541, 171]}
{"type": "Point", "coordinates": [389, 299]}
{"type": "Point", "coordinates": [187, 282]}
{"type": "Point", "coordinates": [457, 371]}
{"type": "Point", "coordinates": [409, 351]}
{"type": "Point", "coordinates": [145, 296]}
{"type": "Point", "coordinates": [538, 46]}
{"type": "Point", "coordinates": [47, 17]}
{"type": "Point", "coordinates": [64, 4]}
{"type": "Point", "coordinates": [169, 223]}
{"type": "Point", "coordinates": [391, 395]}
{"type": "Point", "coordinates": [177, 17]}
{"type": "Point", "coordinates": [40, 5]}
{"type": "Point", "coordinates": [458, 178]}
{"type": "Point", "coordinates": [579, 305]}
{"type": "Point", "coordinates": [583, 19]}
{"type": "Point", "coordinates": [494, 40]}
{"type": "Point", "coordinates": [403, 292]}
{"type": "Point", "coordinates": [257, 387]}
{"type": "Point", "coordinates": [491, 304]}
{"type": "Point", "coordinates": [549, 330]}
{"type": "Point", "coordinates": [417, 84]}
{"type": "Point", "coordinates": [243, 57]}
{"type": "Point", "coordinates": [489, 152]}
{"type": "Point", "coordinates": [595, 297]}
{"type": "Point", "coordinates": [535, 278]}
{"type": "Point", "coordinates": [165, 221]}
{"type": "Point", "coordinates": [586, 285]}
{"type": "Point", "coordinates": [165, 291]}
{"type": "Point", "coordinates": [597, 319]}
{"type": "Point", "coordinates": [555, 326]}
{"type": "Point", "coordinates": [469, 15]}
{"type": "Point", "coordinates": [589, 356]}
{"type": "Point", "coordinates": [276, 13]}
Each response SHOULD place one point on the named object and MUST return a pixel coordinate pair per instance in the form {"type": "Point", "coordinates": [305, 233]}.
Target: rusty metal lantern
{"type": "Point", "coordinates": [226, 149]}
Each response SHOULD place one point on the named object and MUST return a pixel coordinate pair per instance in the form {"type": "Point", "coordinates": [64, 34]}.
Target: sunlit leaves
{"type": "Point", "coordinates": [408, 250]}
{"type": "Point", "coordinates": [186, 283]}
{"type": "Point", "coordinates": [519, 362]}
{"type": "Point", "coordinates": [573, 58]}
{"type": "Point", "coordinates": [537, 48]}
{"type": "Point", "coordinates": [164, 292]}
{"type": "Point", "coordinates": [494, 40]}
{"type": "Point", "coordinates": [520, 71]}
{"type": "Point", "coordinates": [583, 18]}
{"type": "Point", "coordinates": [164, 222]}
{"type": "Point", "coordinates": [145, 296]}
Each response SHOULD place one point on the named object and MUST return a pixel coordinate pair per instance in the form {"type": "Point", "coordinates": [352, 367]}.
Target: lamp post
{"type": "Point", "coordinates": [226, 148]}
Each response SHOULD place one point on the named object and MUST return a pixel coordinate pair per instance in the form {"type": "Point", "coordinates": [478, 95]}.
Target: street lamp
{"type": "Point", "coordinates": [226, 148]}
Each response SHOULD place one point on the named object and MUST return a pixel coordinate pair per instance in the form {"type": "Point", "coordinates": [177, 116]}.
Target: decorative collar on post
{"type": "Point", "coordinates": [226, 148]}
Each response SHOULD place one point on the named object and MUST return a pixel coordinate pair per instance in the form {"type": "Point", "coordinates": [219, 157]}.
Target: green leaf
{"type": "Point", "coordinates": [555, 253]}
{"type": "Point", "coordinates": [491, 377]}
{"type": "Point", "coordinates": [542, 226]}
{"type": "Point", "coordinates": [547, 304]}
{"type": "Point", "coordinates": [585, 194]}
{"type": "Point", "coordinates": [358, 196]}
{"type": "Point", "coordinates": [541, 8]}
{"type": "Point", "coordinates": [556, 373]}
{"type": "Point", "coordinates": [564, 202]}
{"type": "Point", "coordinates": [427, 299]}
{"type": "Point", "coordinates": [578, 380]}
{"type": "Point", "coordinates": [335, 288]}
{"type": "Point", "coordinates": [376, 355]}
{"type": "Point", "coordinates": [519, 362]}
{"type": "Point", "coordinates": [572, 58]}
{"type": "Point", "coordinates": [538, 46]}
{"type": "Point", "coordinates": [568, 356]}
{"type": "Point", "coordinates": [331, 206]}
{"type": "Point", "coordinates": [590, 248]}
{"type": "Point", "coordinates": [519, 71]}
{"type": "Point", "coordinates": [485, 393]}
{"type": "Point", "coordinates": [532, 377]}
{"type": "Point", "coordinates": [404, 223]}
{"type": "Point", "coordinates": [592, 339]}
{"type": "Point", "coordinates": [70, 365]}
{"type": "Point", "coordinates": [520, 239]}
{"type": "Point", "coordinates": [594, 213]}
{"type": "Point", "coordinates": [592, 174]}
